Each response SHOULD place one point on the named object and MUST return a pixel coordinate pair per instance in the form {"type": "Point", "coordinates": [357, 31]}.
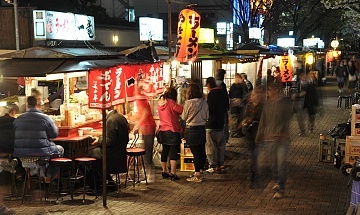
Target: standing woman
{"type": "Point", "coordinates": [340, 75]}
{"type": "Point", "coordinates": [195, 114]}
{"type": "Point", "coordinates": [169, 129]}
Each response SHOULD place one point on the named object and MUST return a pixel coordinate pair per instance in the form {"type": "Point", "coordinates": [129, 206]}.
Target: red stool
{"type": "Point", "coordinates": [135, 153]}
{"type": "Point", "coordinates": [61, 163]}
{"type": "Point", "coordinates": [87, 163]}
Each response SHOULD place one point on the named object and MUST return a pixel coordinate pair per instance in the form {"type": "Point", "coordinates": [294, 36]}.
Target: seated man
{"type": "Point", "coordinates": [7, 139]}
{"type": "Point", "coordinates": [33, 131]}
{"type": "Point", "coordinates": [117, 138]}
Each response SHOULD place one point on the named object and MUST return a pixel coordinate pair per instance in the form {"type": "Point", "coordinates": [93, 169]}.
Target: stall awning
{"type": "Point", "coordinates": [85, 65]}
{"type": "Point", "coordinates": [28, 67]}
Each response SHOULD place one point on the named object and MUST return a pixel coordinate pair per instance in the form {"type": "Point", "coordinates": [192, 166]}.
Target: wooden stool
{"type": "Point", "coordinates": [87, 163]}
{"type": "Point", "coordinates": [61, 163]}
{"type": "Point", "coordinates": [135, 154]}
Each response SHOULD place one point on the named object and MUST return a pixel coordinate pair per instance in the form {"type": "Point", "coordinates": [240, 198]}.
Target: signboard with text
{"type": "Point", "coordinates": [109, 87]}
{"type": "Point", "coordinates": [62, 26]}
{"type": "Point", "coordinates": [150, 29]}
{"type": "Point", "coordinates": [286, 69]}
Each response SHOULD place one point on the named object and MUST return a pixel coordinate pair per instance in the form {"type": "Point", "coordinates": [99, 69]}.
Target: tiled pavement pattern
{"type": "Point", "coordinates": [313, 187]}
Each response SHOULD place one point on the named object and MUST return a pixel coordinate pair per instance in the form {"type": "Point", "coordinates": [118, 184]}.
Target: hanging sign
{"type": "Point", "coordinates": [286, 69]}
{"type": "Point", "coordinates": [100, 88]}
{"type": "Point", "coordinates": [187, 45]}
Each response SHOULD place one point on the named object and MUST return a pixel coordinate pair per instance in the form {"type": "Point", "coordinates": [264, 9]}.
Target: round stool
{"type": "Point", "coordinates": [61, 163]}
{"type": "Point", "coordinates": [135, 153]}
{"type": "Point", "coordinates": [87, 163]}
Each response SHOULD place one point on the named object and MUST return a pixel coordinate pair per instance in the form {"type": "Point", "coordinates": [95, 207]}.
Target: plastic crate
{"type": "Point", "coordinates": [326, 150]}
{"type": "Point", "coordinates": [187, 163]}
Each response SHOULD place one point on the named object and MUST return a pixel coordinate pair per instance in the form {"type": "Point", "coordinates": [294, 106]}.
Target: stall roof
{"type": "Point", "coordinates": [28, 67]}
{"type": "Point", "coordinates": [39, 61]}
{"type": "Point", "coordinates": [53, 52]}
{"type": "Point", "coordinates": [85, 65]}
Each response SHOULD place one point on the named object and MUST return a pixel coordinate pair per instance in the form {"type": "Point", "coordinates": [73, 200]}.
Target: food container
{"type": "Point", "coordinates": [86, 130]}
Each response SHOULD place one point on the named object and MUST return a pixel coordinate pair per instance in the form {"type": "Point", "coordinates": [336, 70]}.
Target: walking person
{"type": "Point", "coordinates": [215, 141]}
{"type": "Point", "coordinates": [250, 125]}
{"type": "Point", "coordinates": [311, 101]}
{"type": "Point", "coordinates": [340, 75]}
{"type": "Point", "coordinates": [169, 129]}
{"type": "Point", "coordinates": [195, 115]}
{"type": "Point", "coordinates": [351, 68]}
{"type": "Point", "coordinates": [273, 135]}
{"type": "Point", "coordinates": [147, 126]}
{"type": "Point", "coordinates": [237, 95]}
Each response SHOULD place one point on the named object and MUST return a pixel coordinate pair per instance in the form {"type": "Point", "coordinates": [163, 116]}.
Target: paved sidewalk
{"type": "Point", "coordinates": [313, 187]}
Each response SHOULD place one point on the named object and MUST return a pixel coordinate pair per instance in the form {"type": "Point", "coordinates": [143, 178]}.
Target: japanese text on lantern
{"type": "Point", "coordinates": [187, 36]}
{"type": "Point", "coordinates": [285, 69]}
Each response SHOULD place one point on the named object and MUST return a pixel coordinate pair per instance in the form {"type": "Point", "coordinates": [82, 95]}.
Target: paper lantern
{"type": "Point", "coordinates": [286, 69]}
{"type": "Point", "coordinates": [187, 45]}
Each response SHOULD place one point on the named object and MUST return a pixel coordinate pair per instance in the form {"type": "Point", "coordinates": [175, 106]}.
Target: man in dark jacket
{"type": "Point", "coordinates": [7, 133]}
{"type": "Point", "coordinates": [220, 75]}
{"type": "Point", "coordinates": [33, 131]}
{"type": "Point", "coordinates": [215, 144]}
{"type": "Point", "coordinates": [117, 138]}
{"type": "Point", "coordinates": [7, 140]}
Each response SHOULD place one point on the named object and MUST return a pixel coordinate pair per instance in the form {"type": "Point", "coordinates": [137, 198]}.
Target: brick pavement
{"type": "Point", "coordinates": [313, 187]}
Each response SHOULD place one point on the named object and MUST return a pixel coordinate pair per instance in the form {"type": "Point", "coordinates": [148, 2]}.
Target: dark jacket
{"type": "Point", "coordinates": [7, 134]}
{"type": "Point", "coordinates": [117, 138]}
{"type": "Point", "coordinates": [311, 100]}
{"type": "Point", "coordinates": [33, 130]}
{"type": "Point", "coordinates": [217, 108]}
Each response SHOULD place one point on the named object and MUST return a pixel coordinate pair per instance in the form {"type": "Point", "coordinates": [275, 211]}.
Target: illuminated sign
{"type": "Point", "coordinates": [311, 41]}
{"type": "Point", "coordinates": [286, 42]}
{"type": "Point", "coordinates": [254, 33]}
{"type": "Point", "coordinates": [62, 26]}
{"type": "Point", "coordinates": [206, 35]}
{"type": "Point", "coordinates": [150, 29]}
{"type": "Point", "coordinates": [221, 28]}
{"type": "Point", "coordinates": [229, 36]}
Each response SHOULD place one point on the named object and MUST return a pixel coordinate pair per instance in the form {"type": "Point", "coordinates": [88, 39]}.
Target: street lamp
{"type": "Point", "coordinates": [15, 3]}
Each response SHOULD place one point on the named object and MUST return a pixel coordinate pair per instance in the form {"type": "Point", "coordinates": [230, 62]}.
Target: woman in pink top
{"type": "Point", "coordinates": [169, 129]}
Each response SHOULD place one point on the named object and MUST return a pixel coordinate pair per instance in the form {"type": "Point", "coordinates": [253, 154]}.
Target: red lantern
{"type": "Point", "coordinates": [187, 45]}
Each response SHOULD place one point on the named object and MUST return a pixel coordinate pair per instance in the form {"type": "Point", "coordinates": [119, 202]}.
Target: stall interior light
{"type": "Point", "coordinates": [115, 38]}
{"type": "Point", "coordinates": [3, 104]}
{"type": "Point", "coordinates": [60, 76]}
{"type": "Point", "coordinates": [310, 59]}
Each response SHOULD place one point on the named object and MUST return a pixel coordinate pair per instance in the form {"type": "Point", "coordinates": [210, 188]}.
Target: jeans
{"type": "Point", "coordinates": [215, 147]}
{"type": "Point", "coordinates": [199, 156]}
{"type": "Point", "coordinates": [235, 122]}
{"type": "Point", "coordinates": [148, 145]}
{"type": "Point", "coordinates": [276, 150]}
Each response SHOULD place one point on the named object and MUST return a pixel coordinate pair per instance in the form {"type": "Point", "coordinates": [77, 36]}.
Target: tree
{"type": "Point", "coordinates": [351, 14]}
{"type": "Point", "coordinates": [250, 13]}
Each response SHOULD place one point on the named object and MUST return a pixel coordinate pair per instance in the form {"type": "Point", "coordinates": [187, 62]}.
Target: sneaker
{"type": "Point", "coordinates": [276, 188]}
{"type": "Point", "coordinates": [210, 170]}
{"type": "Point", "coordinates": [195, 178]}
{"type": "Point", "coordinates": [278, 195]}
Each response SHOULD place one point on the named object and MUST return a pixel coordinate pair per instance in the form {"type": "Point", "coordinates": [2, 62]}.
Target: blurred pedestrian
{"type": "Point", "coordinates": [273, 135]}
{"type": "Point", "coordinates": [170, 130]}
{"type": "Point", "coordinates": [146, 125]}
{"type": "Point", "coordinates": [237, 93]}
{"type": "Point", "coordinates": [248, 83]}
{"type": "Point", "coordinates": [340, 75]}
{"type": "Point", "coordinates": [250, 125]}
{"type": "Point", "coordinates": [311, 100]}
{"type": "Point", "coordinates": [195, 115]}
{"type": "Point", "coordinates": [351, 68]}
{"type": "Point", "coordinates": [215, 141]}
